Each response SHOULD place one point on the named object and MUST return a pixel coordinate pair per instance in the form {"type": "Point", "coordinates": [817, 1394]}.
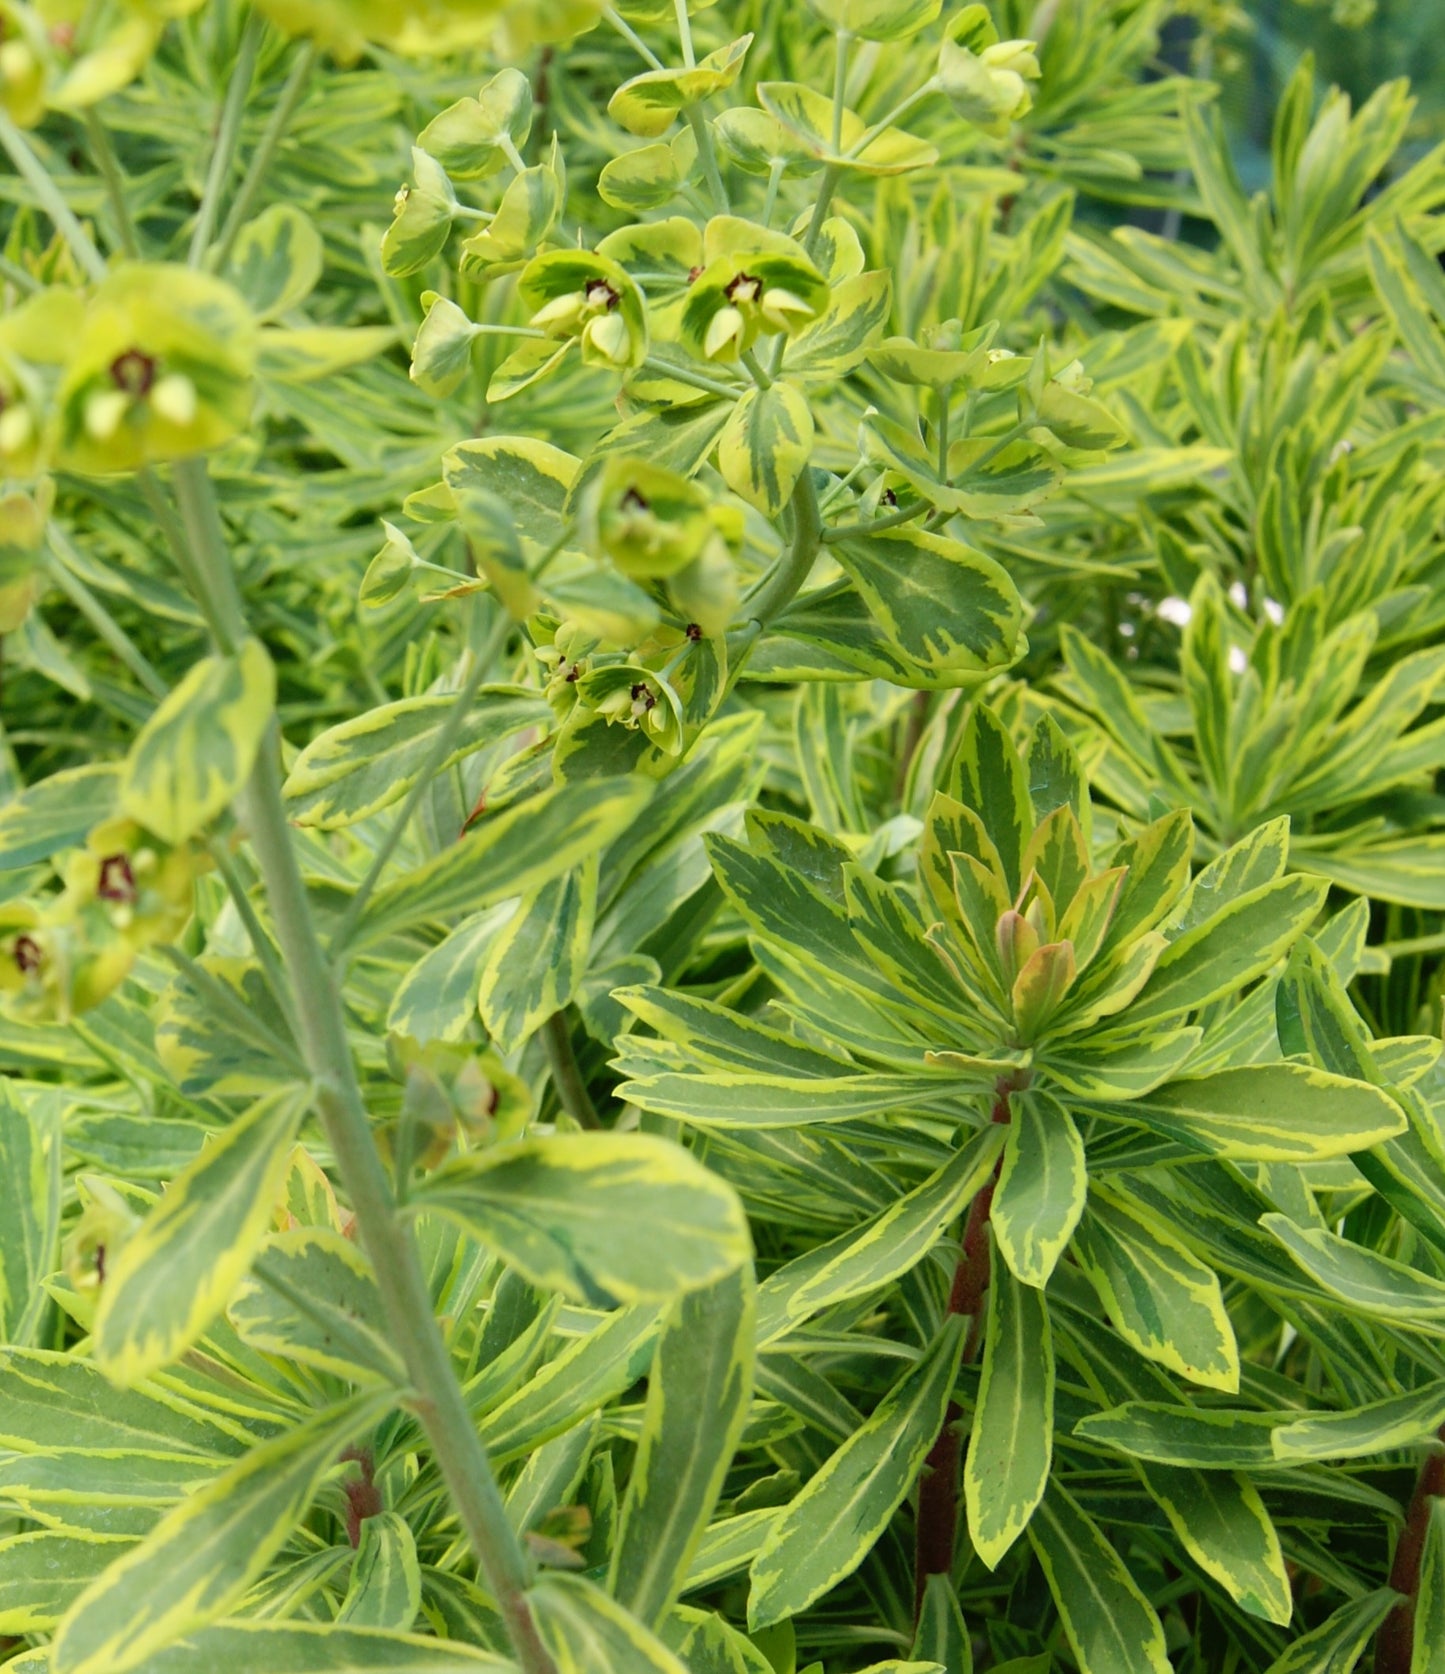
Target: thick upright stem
{"type": "Point", "coordinates": [1395, 1643]}
{"type": "Point", "coordinates": [321, 1026]}
{"type": "Point", "coordinates": [937, 1527]}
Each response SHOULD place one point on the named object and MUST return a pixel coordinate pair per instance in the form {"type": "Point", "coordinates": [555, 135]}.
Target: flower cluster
{"type": "Point", "coordinates": [121, 894]}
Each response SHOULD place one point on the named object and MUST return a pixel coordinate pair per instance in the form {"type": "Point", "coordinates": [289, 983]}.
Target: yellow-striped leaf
{"type": "Point", "coordinates": [52, 1401]}
{"type": "Point", "coordinates": [30, 1198]}
{"type": "Point", "coordinates": [1011, 1443]}
{"type": "Point", "coordinates": [195, 753]}
{"type": "Point", "coordinates": [589, 1633]}
{"type": "Point", "coordinates": [1271, 1113]}
{"type": "Point", "coordinates": [1370, 1283]}
{"type": "Point", "coordinates": [202, 1556]}
{"type": "Point", "coordinates": [385, 1586]}
{"type": "Point", "coordinates": [868, 1257]}
{"type": "Point", "coordinates": [1111, 1626]}
{"type": "Point", "coordinates": [1041, 1189]}
{"type": "Point", "coordinates": [511, 853]}
{"type": "Point", "coordinates": [539, 957]}
{"type": "Point", "coordinates": [437, 998]}
{"type": "Point", "coordinates": [581, 1378]}
{"type": "Point", "coordinates": [830, 1528]}
{"type": "Point", "coordinates": [368, 762]}
{"type": "Point", "coordinates": [698, 1395]}
{"type": "Point", "coordinates": [311, 1296]}
{"type": "Point", "coordinates": [602, 1217]}
{"type": "Point", "coordinates": [939, 603]}
{"type": "Point", "coordinates": [1222, 1523]}
{"type": "Point", "coordinates": [942, 1635]}
{"type": "Point", "coordinates": [1430, 1600]}
{"type": "Point", "coordinates": [56, 813]}
{"type": "Point", "coordinates": [765, 445]}
{"type": "Point", "coordinates": [1379, 1427]}
{"type": "Point", "coordinates": [301, 1647]}
{"type": "Point", "coordinates": [1338, 1643]}
{"type": "Point", "coordinates": [42, 1572]}
{"type": "Point", "coordinates": [183, 1264]}
{"type": "Point", "coordinates": [1161, 1298]}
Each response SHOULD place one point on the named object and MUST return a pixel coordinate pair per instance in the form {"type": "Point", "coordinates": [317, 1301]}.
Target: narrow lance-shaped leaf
{"type": "Point", "coordinates": [538, 958]}
{"type": "Point", "coordinates": [830, 1528]}
{"type": "Point", "coordinates": [1371, 1283]}
{"type": "Point", "coordinates": [697, 1403]}
{"type": "Point", "coordinates": [201, 1557]}
{"type": "Point", "coordinates": [1161, 1298]}
{"type": "Point", "coordinates": [1011, 1443]}
{"type": "Point", "coordinates": [311, 1297]}
{"type": "Point", "coordinates": [1338, 1642]}
{"type": "Point", "coordinates": [1042, 1186]}
{"type": "Point", "coordinates": [868, 1257]}
{"type": "Point", "coordinates": [1111, 1626]}
{"type": "Point", "coordinates": [588, 1632]}
{"type": "Point", "coordinates": [604, 1217]}
{"type": "Point", "coordinates": [511, 853]}
{"type": "Point", "coordinates": [371, 761]}
{"type": "Point", "coordinates": [385, 1586]}
{"type": "Point", "coordinates": [180, 1268]}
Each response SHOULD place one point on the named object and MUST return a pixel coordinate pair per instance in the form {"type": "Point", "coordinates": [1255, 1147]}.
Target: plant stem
{"type": "Point", "coordinates": [633, 39]}
{"type": "Point", "coordinates": [840, 84]}
{"type": "Point", "coordinates": [827, 185]}
{"type": "Point", "coordinates": [567, 1076]}
{"type": "Point", "coordinates": [685, 375]}
{"type": "Point", "coordinates": [321, 1026]}
{"type": "Point", "coordinates": [228, 131]}
{"type": "Point", "coordinates": [905, 514]}
{"type": "Point", "coordinates": [684, 31]}
{"type": "Point", "coordinates": [1395, 1642]}
{"type": "Point", "coordinates": [261, 159]}
{"type": "Point", "coordinates": [110, 171]}
{"type": "Point", "coordinates": [711, 172]}
{"type": "Point", "coordinates": [793, 569]}
{"type": "Point", "coordinates": [35, 175]}
{"type": "Point", "coordinates": [937, 1527]}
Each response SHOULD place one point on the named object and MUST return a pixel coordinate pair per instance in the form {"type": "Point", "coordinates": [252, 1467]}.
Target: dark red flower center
{"type": "Point", "coordinates": [27, 954]}
{"type": "Point", "coordinates": [134, 372]}
{"type": "Point", "coordinates": [642, 693]}
{"type": "Point", "coordinates": [117, 881]}
{"type": "Point", "coordinates": [635, 500]}
{"type": "Point", "coordinates": [744, 288]}
{"type": "Point", "coordinates": [601, 294]}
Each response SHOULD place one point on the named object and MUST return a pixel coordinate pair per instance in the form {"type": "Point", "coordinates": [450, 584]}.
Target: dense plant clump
{"type": "Point", "coordinates": [722, 874]}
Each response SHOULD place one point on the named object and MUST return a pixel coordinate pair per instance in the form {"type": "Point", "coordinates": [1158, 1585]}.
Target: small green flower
{"type": "Point", "coordinates": [574, 294]}
{"type": "Point", "coordinates": [421, 220]}
{"type": "Point", "coordinates": [629, 696]}
{"type": "Point", "coordinates": [753, 283]}
{"type": "Point", "coordinates": [162, 370]}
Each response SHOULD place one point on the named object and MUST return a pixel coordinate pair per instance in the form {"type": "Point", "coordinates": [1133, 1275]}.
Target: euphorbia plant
{"type": "Point", "coordinates": [405, 1004]}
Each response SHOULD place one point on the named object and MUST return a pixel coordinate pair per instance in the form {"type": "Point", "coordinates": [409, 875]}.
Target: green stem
{"type": "Point", "coordinates": [708, 157]}
{"type": "Point", "coordinates": [840, 84]}
{"type": "Point", "coordinates": [110, 172]}
{"type": "Point", "coordinates": [684, 32]}
{"type": "Point", "coordinates": [866, 138]}
{"type": "Point", "coordinates": [567, 1075]}
{"type": "Point", "coordinates": [35, 175]}
{"type": "Point", "coordinates": [18, 276]}
{"type": "Point", "coordinates": [62, 570]}
{"type": "Point", "coordinates": [770, 198]}
{"type": "Point", "coordinates": [633, 39]}
{"type": "Point", "coordinates": [321, 1025]}
{"type": "Point", "coordinates": [228, 132]}
{"type": "Point", "coordinates": [684, 374]}
{"type": "Point", "coordinates": [793, 569]}
{"type": "Point", "coordinates": [441, 748]}
{"type": "Point", "coordinates": [832, 174]}
{"type": "Point", "coordinates": [261, 159]}
{"type": "Point", "coordinates": [905, 514]}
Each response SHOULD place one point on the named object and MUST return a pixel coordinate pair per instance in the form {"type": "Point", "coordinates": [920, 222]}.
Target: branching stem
{"type": "Point", "coordinates": [937, 1528]}
{"type": "Point", "coordinates": [1395, 1642]}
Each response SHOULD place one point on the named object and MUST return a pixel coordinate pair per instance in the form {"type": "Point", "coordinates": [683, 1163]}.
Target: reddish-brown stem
{"type": "Point", "coordinates": [937, 1527]}
{"type": "Point", "coordinates": [1395, 1644]}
